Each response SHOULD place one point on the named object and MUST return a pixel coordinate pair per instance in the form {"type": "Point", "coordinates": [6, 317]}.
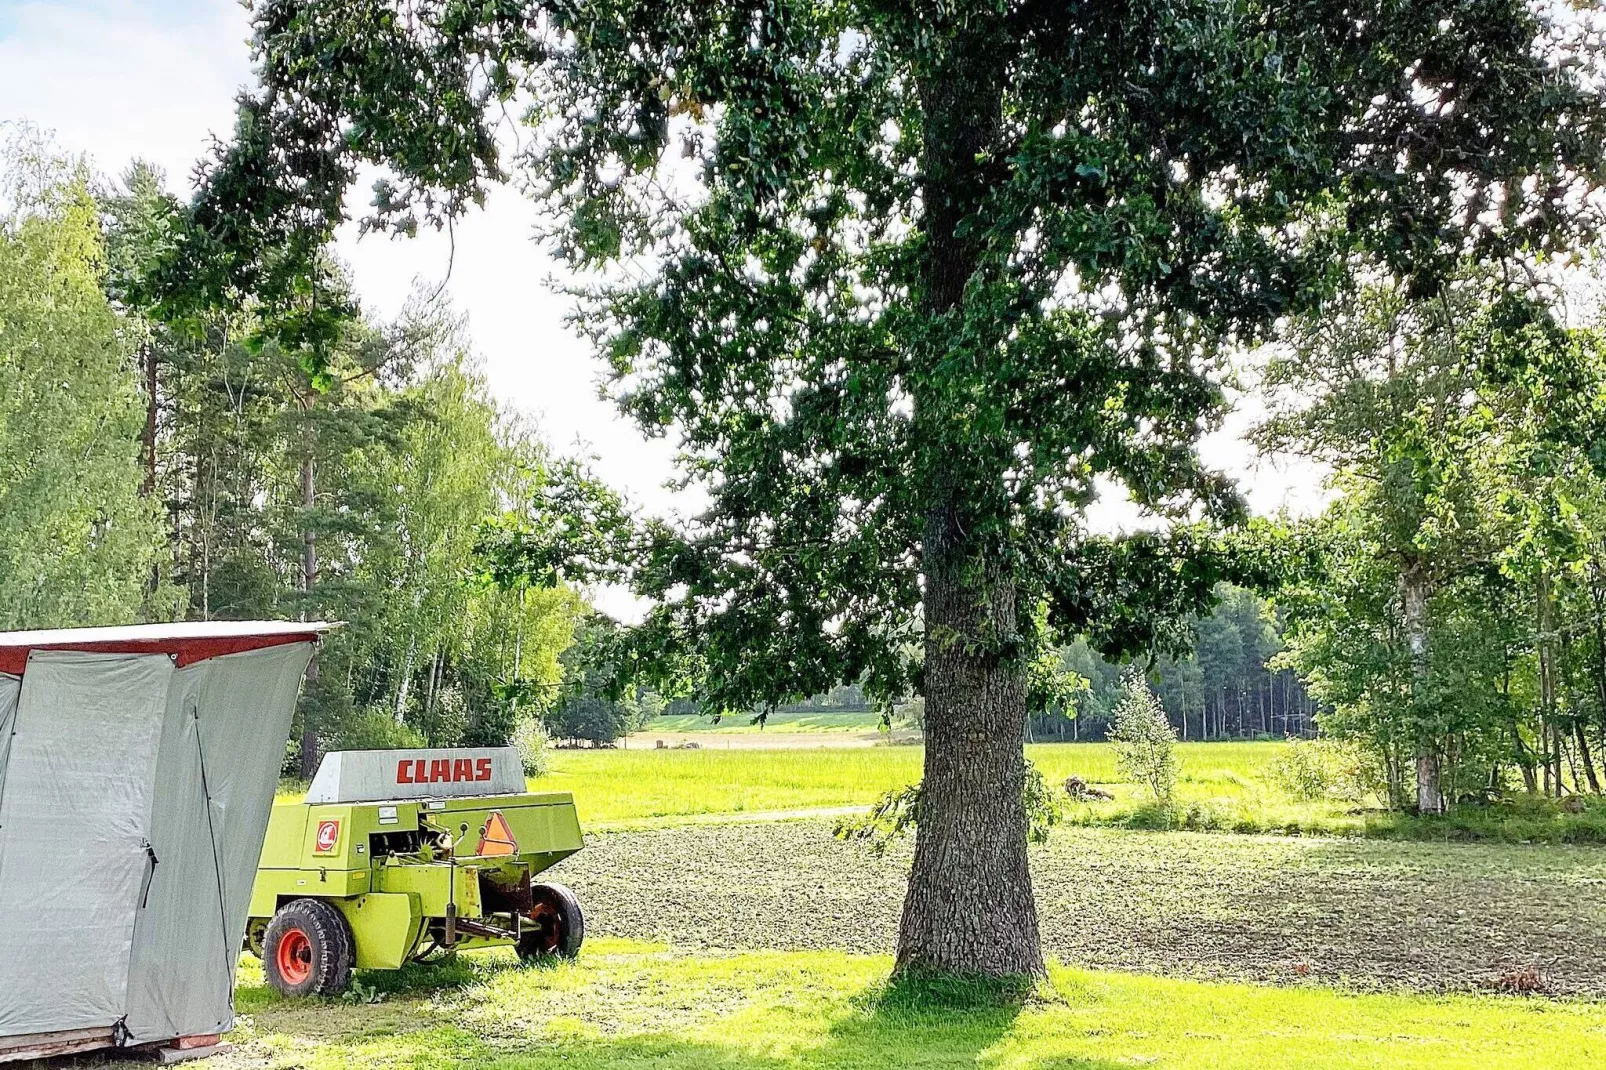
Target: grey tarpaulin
{"type": "Point", "coordinates": [72, 832]}
{"type": "Point", "coordinates": [232, 709]}
{"type": "Point", "coordinates": [132, 808]}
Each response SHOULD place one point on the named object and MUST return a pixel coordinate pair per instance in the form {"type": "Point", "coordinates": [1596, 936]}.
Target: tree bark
{"type": "Point", "coordinates": [1585, 758]}
{"type": "Point", "coordinates": [309, 578]}
{"type": "Point", "coordinates": [969, 907]}
{"type": "Point", "coordinates": [147, 436]}
{"type": "Point", "coordinates": [1414, 605]}
{"type": "Point", "coordinates": [147, 441]}
{"type": "Point", "coordinates": [1544, 614]}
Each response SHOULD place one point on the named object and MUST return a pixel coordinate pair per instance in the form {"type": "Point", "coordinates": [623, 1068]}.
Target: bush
{"type": "Point", "coordinates": [374, 728]}
{"type": "Point", "coordinates": [585, 718]}
{"type": "Point", "coordinates": [1316, 769]}
{"type": "Point", "coordinates": [531, 738]}
{"type": "Point", "coordinates": [1145, 745]}
{"type": "Point", "coordinates": [1305, 770]}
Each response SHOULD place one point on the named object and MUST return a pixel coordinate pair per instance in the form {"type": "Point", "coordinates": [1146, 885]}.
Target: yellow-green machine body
{"type": "Point", "coordinates": [450, 869]}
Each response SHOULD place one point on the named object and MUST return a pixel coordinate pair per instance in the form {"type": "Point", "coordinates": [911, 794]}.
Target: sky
{"type": "Point", "coordinates": [118, 79]}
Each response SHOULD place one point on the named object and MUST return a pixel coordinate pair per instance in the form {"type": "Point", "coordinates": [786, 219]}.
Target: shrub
{"type": "Point", "coordinates": [1305, 770]}
{"type": "Point", "coordinates": [1145, 745]}
{"type": "Point", "coordinates": [587, 718]}
{"type": "Point", "coordinates": [1316, 769]}
{"type": "Point", "coordinates": [531, 738]}
{"type": "Point", "coordinates": [375, 729]}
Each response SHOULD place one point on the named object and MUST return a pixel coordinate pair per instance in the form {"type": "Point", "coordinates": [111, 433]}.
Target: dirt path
{"type": "Point", "coordinates": [1370, 914]}
{"type": "Point", "coordinates": [742, 739]}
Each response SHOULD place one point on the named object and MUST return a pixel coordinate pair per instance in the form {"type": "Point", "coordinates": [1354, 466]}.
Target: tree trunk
{"type": "Point", "coordinates": [1596, 601]}
{"type": "Point", "coordinates": [1585, 757]}
{"type": "Point", "coordinates": [147, 441]}
{"type": "Point", "coordinates": [969, 907]}
{"type": "Point", "coordinates": [1544, 613]}
{"type": "Point", "coordinates": [147, 436]}
{"type": "Point", "coordinates": [1414, 605]}
{"type": "Point", "coordinates": [405, 678]}
{"type": "Point", "coordinates": [309, 578]}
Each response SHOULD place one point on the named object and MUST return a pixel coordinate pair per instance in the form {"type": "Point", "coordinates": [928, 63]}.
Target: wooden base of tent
{"type": "Point", "coordinates": [61, 1042]}
{"type": "Point", "coordinates": [78, 1041]}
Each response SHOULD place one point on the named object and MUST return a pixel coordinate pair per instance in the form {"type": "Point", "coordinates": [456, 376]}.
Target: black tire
{"type": "Point", "coordinates": [556, 927]}
{"type": "Point", "coordinates": [308, 949]}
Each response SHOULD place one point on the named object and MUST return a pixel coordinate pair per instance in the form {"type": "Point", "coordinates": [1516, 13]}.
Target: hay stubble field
{"type": "Point", "coordinates": [729, 929]}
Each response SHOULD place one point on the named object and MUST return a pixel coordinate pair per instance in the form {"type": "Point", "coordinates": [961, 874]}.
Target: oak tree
{"type": "Point", "coordinates": [909, 281]}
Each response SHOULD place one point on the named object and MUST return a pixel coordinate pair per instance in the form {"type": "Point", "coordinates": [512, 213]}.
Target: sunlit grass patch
{"type": "Point", "coordinates": [633, 1005]}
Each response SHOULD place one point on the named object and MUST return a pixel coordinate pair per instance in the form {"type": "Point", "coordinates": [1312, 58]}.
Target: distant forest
{"type": "Point", "coordinates": [1229, 687]}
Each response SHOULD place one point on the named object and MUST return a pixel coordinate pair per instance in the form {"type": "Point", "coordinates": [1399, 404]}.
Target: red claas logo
{"type": "Point", "coordinates": [442, 770]}
{"type": "Point", "coordinates": [328, 836]}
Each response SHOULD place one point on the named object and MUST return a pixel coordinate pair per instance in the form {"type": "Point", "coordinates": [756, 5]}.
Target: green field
{"type": "Point", "coordinates": [1223, 787]}
{"type": "Point", "coordinates": [1231, 782]}
{"type": "Point", "coordinates": [725, 942]}
{"type": "Point", "coordinates": [632, 1005]}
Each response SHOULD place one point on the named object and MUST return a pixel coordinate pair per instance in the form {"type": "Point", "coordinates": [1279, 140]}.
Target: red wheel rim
{"type": "Point", "coordinates": [294, 957]}
{"type": "Point", "coordinates": [547, 925]}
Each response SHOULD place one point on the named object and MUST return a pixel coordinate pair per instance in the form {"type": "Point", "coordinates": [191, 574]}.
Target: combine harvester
{"type": "Point", "coordinates": [137, 771]}
{"type": "Point", "coordinates": [396, 855]}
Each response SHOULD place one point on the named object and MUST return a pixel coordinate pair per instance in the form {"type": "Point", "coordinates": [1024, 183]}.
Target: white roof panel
{"type": "Point", "coordinates": [157, 633]}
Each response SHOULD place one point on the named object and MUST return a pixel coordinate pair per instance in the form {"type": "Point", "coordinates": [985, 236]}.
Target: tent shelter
{"type": "Point", "coordinates": [137, 769]}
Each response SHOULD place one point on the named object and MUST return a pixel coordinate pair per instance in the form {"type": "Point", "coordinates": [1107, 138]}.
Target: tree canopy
{"type": "Point", "coordinates": [910, 283]}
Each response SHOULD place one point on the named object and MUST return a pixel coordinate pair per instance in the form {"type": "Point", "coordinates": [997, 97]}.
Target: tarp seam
{"type": "Point", "coordinates": [211, 836]}
{"type": "Point", "coordinates": [11, 733]}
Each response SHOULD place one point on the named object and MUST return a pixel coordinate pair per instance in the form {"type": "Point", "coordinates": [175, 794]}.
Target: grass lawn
{"type": "Point", "coordinates": [1228, 787]}
{"type": "Point", "coordinates": [635, 1005]}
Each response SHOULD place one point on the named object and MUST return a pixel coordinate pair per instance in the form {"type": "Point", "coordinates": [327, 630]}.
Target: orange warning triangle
{"type": "Point", "coordinates": [497, 839]}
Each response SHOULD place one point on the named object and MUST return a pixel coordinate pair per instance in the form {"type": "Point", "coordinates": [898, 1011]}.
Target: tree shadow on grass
{"type": "Point", "coordinates": [907, 1022]}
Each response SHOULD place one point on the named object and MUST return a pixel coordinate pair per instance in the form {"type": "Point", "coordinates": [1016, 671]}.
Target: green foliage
{"type": "Point", "coordinates": [532, 740]}
{"type": "Point", "coordinates": [1452, 625]}
{"type": "Point", "coordinates": [78, 538]}
{"type": "Point", "coordinates": [373, 729]}
{"type": "Point", "coordinates": [898, 810]}
{"type": "Point", "coordinates": [597, 703]}
{"type": "Point", "coordinates": [1145, 745]}
{"type": "Point", "coordinates": [587, 718]}
{"type": "Point", "coordinates": [342, 468]}
{"type": "Point", "coordinates": [889, 817]}
{"type": "Point", "coordinates": [1304, 771]}
{"type": "Point", "coordinates": [1315, 769]}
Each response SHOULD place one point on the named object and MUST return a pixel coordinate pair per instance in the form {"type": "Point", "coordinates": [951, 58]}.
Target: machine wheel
{"type": "Point", "coordinates": [255, 929]}
{"type": "Point", "coordinates": [308, 949]}
{"type": "Point", "coordinates": [556, 924]}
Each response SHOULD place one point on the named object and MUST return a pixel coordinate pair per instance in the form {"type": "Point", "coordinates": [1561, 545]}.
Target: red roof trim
{"type": "Point", "coordinates": [14, 659]}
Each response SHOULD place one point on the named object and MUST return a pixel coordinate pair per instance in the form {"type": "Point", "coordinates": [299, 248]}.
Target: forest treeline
{"type": "Point", "coordinates": [161, 466]}
{"type": "Point", "coordinates": [1447, 611]}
